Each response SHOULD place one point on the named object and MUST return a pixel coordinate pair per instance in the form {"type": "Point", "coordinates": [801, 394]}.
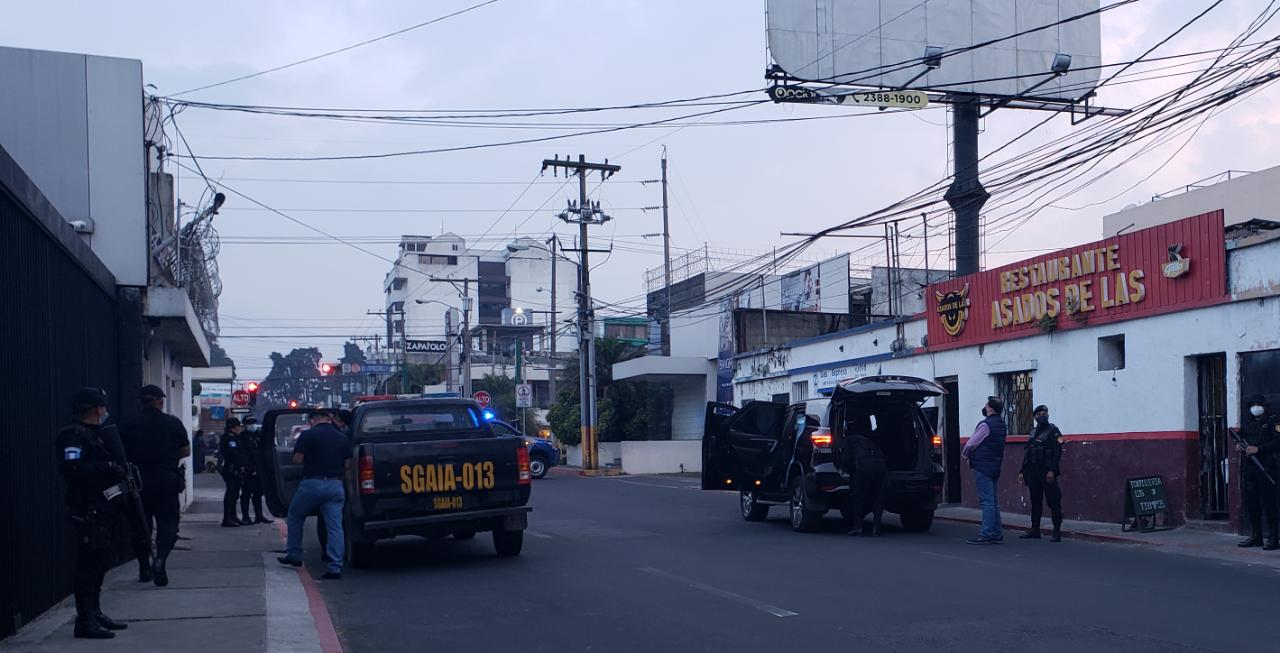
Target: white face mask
{"type": "Point", "coordinates": [105, 415]}
{"type": "Point", "coordinates": [1256, 411]}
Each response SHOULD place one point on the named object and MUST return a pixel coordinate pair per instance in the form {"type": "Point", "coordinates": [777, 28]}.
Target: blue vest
{"type": "Point", "coordinates": [988, 456]}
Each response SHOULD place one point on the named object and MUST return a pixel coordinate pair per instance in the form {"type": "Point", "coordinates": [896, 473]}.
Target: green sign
{"type": "Point", "coordinates": [1145, 501]}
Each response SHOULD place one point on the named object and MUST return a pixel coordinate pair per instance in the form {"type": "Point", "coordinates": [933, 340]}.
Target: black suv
{"type": "Point", "coordinates": [775, 454]}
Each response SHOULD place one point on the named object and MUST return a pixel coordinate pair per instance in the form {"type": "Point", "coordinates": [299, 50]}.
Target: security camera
{"type": "Point", "coordinates": [82, 226]}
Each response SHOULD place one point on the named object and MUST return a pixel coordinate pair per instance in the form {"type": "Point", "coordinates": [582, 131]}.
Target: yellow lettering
{"type": "Point", "coordinates": [1122, 289]}
{"type": "Point", "coordinates": [1006, 312]}
{"type": "Point", "coordinates": [421, 479]}
{"type": "Point", "coordinates": [1138, 290]}
{"type": "Point", "coordinates": [1022, 278]}
{"type": "Point", "coordinates": [450, 478]}
{"type": "Point", "coordinates": [1042, 304]}
{"type": "Point", "coordinates": [406, 479]}
{"type": "Point", "coordinates": [1087, 263]}
{"type": "Point", "coordinates": [1107, 301]}
{"type": "Point", "coordinates": [1072, 293]}
{"type": "Point", "coordinates": [1006, 282]}
{"type": "Point", "coordinates": [1054, 307]}
{"type": "Point", "coordinates": [1064, 268]}
{"type": "Point", "coordinates": [1113, 257]}
{"type": "Point", "coordinates": [995, 315]}
{"type": "Point", "coordinates": [1028, 308]}
{"type": "Point", "coordinates": [433, 478]}
{"type": "Point", "coordinates": [1085, 296]}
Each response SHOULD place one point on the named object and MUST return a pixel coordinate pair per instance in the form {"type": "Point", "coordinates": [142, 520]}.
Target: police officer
{"type": "Point", "coordinates": [231, 452]}
{"type": "Point", "coordinates": [1040, 472]}
{"type": "Point", "coordinates": [157, 443]}
{"type": "Point", "coordinates": [96, 475]}
{"type": "Point", "coordinates": [867, 474]}
{"type": "Point", "coordinates": [254, 450]}
{"type": "Point", "coordinates": [1262, 435]}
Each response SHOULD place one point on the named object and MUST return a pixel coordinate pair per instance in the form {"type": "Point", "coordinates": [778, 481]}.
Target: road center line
{"type": "Point", "coordinates": [641, 484]}
{"type": "Point", "coordinates": [724, 594]}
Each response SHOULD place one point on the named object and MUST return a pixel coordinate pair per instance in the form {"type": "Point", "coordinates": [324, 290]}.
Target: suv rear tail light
{"type": "Point", "coordinates": [366, 472]}
{"type": "Point", "coordinates": [937, 443]}
{"type": "Point", "coordinates": [522, 464]}
{"type": "Point", "coordinates": [821, 440]}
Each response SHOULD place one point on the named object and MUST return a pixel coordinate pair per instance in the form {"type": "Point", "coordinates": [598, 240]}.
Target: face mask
{"type": "Point", "coordinates": [983, 412]}
{"type": "Point", "coordinates": [1042, 419]}
{"type": "Point", "coordinates": [103, 419]}
{"type": "Point", "coordinates": [1257, 411]}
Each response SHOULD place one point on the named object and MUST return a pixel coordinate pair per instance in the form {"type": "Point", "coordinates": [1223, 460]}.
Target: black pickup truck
{"type": "Point", "coordinates": [427, 467]}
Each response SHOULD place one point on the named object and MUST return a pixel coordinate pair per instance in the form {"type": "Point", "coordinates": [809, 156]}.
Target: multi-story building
{"type": "Point", "coordinates": [514, 305]}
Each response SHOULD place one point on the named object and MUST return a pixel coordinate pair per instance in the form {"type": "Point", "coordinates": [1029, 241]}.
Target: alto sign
{"type": "Point", "coordinates": [426, 346]}
{"type": "Point", "coordinates": [1138, 274]}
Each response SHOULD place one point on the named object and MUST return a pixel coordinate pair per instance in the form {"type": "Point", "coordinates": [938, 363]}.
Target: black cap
{"type": "Point", "coordinates": [1258, 400]}
{"type": "Point", "coordinates": [150, 393]}
{"type": "Point", "coordinates": [344, 415]}
{"type": "Point", "coordinates": [318, 413]}
{"type": "Point", "coordinates": [1040, 409]}
{"type": "Point", "coordinates": [232, 422]}
{"type": "Point", "coordinates": [87, 399]}
{"type": "Point", "coordinates": [250, 420]}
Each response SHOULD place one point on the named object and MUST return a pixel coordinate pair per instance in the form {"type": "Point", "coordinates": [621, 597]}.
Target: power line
{"type": "Point", "coordinates": [338, 51]}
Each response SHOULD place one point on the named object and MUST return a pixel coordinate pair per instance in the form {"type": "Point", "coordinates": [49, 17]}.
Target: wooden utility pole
{"type": "Point", "coordinates": [585, 214]}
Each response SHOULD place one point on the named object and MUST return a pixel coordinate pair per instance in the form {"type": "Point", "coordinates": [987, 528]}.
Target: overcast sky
{"type": "Point", "coordinates": [733, 187]}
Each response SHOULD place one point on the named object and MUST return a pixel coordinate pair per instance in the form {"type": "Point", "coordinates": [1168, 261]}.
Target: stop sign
{"type": "Point", "coordinates": [483, 398]}
{"type": "Point", "coordinates": [240, 398]}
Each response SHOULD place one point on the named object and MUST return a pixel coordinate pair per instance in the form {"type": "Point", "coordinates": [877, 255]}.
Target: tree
{"type": "Point", "coordinates": [419, 375]}
{"type": "Point", "coordinates": [625, 410]}
{"type": "Point", "coordinates": [502, 390]}
{"type": "Point", "coordinates": [293, 376]}
{"type": "Point", "coordinates": [351, 353]}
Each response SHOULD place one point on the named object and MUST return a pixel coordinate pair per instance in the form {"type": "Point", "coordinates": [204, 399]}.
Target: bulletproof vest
{"type": "Point", "coordinates": [1038, 446]}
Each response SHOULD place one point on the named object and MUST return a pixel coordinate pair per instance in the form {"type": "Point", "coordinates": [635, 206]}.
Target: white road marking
{"type": "Point", "coordinates": [290, 626]}
{"type": "Point", "coordinates": [669, 487]}
{"type": "Point", "coordinates": [537, 534]}
{"type": "Point", "coordinates": [724, 594]}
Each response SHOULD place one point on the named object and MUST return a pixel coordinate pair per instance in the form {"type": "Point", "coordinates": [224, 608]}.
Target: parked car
{"type": "Point", "coordinates": [779, 454]}
{"type": "Point", "coordinates": [542, 454]}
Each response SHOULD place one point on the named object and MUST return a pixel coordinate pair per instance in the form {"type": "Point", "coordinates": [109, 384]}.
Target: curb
{"type": "Point", "coordinates": [325, 630]}
{"type": "Point", "coordinates": [1068, 534]}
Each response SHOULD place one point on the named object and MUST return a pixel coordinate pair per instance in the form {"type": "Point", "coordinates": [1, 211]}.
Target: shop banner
{"type": "Point", "coordinates": [1171, 267]}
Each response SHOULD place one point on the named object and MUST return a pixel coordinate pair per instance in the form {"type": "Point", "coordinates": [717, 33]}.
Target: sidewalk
{"type": "Point", "coordinates": [1185, 541]}
{"type": "Point", "coordinates": [226, 593]}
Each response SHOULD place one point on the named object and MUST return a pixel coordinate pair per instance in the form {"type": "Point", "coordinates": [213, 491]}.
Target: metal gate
{"type": "Point", "coordinates": [1015, 390]}
{"type": "Point", "coordinates": [1215, 450]}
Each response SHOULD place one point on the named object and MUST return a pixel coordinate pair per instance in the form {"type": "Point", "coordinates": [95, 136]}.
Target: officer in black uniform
{"type": "Point", "coordinates": [233, 473]}
{"type": "Point", "coordinates": [95, 473]}
{"type": "Point", "coordinates": [157, 443]}
{"type": "Point", "coordinates": [254, 450]}
{"type": "Point", "coordinates": [865, 463]}
{"type": "Point", "coordinates": [1262, 435]}
{"type": "Point", "coordinates": [1041, 467]}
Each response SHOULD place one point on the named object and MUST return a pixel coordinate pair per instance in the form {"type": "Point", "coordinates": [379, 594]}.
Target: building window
{"type": "Point", "coordinates": [1014, 389]}
{"type": "Point", "coordinates": [781, 398]}
{"type": "Point", "coordinates": [399, 283]}
{"type": "Point", "coordinates": [799, 391]}
{"type": "Point", "coordinates": [1111, 353]}
{"type": "Point", "coordinates": [455, 248]}
{"type": "Point", "coordinates": [432, 259]}
{"type": "Point", "coordinates": [398, 326]}
{"type": "Point", "coordinates": [396, 307]}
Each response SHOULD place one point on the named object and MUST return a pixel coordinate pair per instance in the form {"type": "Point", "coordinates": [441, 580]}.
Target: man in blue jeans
{"type": "Point", "coordinates": [985, 453]}
{"type": "Point", "coordinates": [325, 455]}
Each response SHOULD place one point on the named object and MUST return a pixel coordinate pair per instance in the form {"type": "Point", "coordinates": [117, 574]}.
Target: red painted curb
{"type": "Point", "coordinates": [325, 631]}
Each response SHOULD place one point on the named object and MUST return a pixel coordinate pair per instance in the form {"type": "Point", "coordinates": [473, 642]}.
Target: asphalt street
{"type": "Point", "coordinates": [654, 564]}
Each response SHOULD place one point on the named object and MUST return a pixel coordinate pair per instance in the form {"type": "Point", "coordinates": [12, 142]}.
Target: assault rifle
{"type": "Point", "coordinates": [1241, 443]}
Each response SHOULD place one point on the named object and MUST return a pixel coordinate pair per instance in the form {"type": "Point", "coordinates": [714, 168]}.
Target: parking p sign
{"type": "Point", "coordinates": [524, 395]}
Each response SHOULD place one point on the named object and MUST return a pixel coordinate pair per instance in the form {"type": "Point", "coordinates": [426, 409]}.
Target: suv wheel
{"type": "Point", "coordinates": [803, 520]}
{"type": "Point", "coordinates": [508, 543]}
{"type": "Point", "coordinates": [917, 522]}
{"type": "Point", "coordinates": [537, 466]}
{"type": "Point", "coordinates": [752, 510]}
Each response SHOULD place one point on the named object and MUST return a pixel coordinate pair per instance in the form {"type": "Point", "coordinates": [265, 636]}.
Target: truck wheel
{"type": "Point", "coordinates": [917, 522]}
{"type": "Point", "coordinates": [803, 520]}
{"type": "Point", "coordinates": [752, 510]}
{"type": "Point", "coordinates": [538, 466]}
{"type": "Point", "coordinates": [508, 543]}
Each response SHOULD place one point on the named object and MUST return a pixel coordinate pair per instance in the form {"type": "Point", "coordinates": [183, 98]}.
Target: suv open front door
{"type": "Point", "coordinates": [280, 430]}
{"type": "Point", "coordinates": [738, 445]}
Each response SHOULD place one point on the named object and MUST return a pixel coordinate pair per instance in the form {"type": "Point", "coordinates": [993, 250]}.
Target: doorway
{"type": "Point", "coordinates": [1211, 383]}
{"type": "Point", "coordinates": [951, 438]}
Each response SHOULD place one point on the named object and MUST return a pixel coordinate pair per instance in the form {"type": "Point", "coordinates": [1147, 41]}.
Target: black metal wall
{"type": "Point", "coordinates": [58, 333]}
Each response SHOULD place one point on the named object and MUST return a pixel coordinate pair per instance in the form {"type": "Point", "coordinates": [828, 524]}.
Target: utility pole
{"type": "Point", "coordinates": [585, 214]}
{"type": "Point", "coordinates": [391, 340]}
{"type": "Point", "coordinates": [554, 241]}
{"type": "Point", "coordinates": [466, 326]}
{"type": "Point", "coordinates": [666, 257]}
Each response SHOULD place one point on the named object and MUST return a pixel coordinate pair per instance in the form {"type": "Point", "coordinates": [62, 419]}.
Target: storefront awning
{"type": "Point", "coordinates": [663, 368]}
{"type": "Point", "coordinates": [174, 320]}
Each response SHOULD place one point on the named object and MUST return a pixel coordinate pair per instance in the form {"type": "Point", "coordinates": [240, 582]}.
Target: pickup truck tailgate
{"type": "Point", "coordinates": [440, 476]}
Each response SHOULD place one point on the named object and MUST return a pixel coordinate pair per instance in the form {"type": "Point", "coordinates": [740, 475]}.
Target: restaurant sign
{"type": "Point", "coordinates": [1170, 267]}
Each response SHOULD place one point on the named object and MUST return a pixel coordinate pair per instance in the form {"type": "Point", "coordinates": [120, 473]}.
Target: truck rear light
{"type": "Point", "coordinates": [522, 464]}
{"type": "Point", "coordinates": [937, 444]}
{"type": "Point", "coordinates": [366, 472]}
{"type": "Point", "coordinates": [821, 440]}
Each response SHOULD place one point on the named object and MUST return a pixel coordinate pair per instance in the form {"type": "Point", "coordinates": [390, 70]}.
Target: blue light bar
{"type": "Point", "coordinates": [488, 415]}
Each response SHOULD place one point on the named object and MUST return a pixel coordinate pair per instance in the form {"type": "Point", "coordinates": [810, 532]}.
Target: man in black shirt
{"type": "Point", "coordinates": [1041, 469]}
{"type": "Point", "coordinates": [156, 443]}
{"type": "Point", "coordinates": [233, 457]}
{"type": "Point", "coordinates": [325, 455]}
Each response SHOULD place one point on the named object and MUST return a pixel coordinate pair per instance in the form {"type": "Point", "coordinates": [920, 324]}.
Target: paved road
{"type": "Point", "coordinates": [653, 564]}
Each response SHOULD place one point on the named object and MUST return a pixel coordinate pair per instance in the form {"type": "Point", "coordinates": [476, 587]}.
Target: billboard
{"type": "Point", "coordinates": [882, 44]}
{"type": "Point", "coordinates": [1172, 267]}
{"type": "Point", "coordinates": [820, 288]}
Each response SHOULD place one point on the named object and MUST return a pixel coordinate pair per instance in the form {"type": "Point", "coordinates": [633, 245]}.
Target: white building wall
{"type": "Point", "coordinates": [1241, 199]}
{"type": "Point", "coordinates": [530, 273]}
{"type": "Point", "coordinates": [74, 123]}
